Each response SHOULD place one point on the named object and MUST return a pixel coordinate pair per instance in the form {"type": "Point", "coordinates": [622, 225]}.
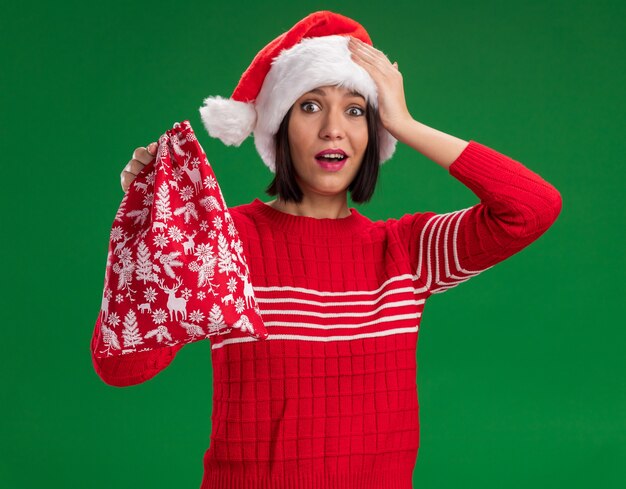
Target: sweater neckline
{"type": "Point", "coordinates": [311, 225]}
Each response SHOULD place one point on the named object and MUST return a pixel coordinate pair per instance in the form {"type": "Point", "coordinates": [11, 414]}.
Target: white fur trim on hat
{"type": "Point", "coordinates": [229, 120]}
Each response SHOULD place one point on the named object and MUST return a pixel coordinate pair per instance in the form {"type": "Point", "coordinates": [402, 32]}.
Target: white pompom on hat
{"type": "Point", "coordinates": [313, 53]}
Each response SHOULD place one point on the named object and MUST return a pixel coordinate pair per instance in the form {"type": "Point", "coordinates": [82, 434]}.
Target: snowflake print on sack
{"type": "Point", "coordinates": [150, 294]}
{"type": "Point", "coordinates": [217, 222]}
{"type": "Point", "coordinates": [210, 182]}
{"type": "Point", "coordinates": [150, 178]}
{"type": "Point", "coordinates": [116, 234]}
{"type": "Point", "coordinates": [176, 271]}
{"type": "Point", "coordinates": [177, 174]}
{"type": "Point", "coordinates": [197, 316]}
{"type": "Point", "coordinates": [148, 199]}
{"type": "Point", "coordinates": [187, 193]}
{"type": "Point", "coordinates": [160, 240]}
{"type": "Point", "coordinates": [159, 316]}
{"type": "Point", "coordinates": [113, 320]}
{"type": "Point", "coordinates": [204, 266]}
{"type": "Point", "coordinates": [175, 234]}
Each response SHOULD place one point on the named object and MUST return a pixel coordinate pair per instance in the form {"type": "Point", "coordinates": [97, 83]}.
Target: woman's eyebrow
{"type": "Point", "coordinates": [351, 93]}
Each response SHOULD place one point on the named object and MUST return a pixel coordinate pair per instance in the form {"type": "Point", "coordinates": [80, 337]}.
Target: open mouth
{"type": "Point", "coordinates": [331, 159]}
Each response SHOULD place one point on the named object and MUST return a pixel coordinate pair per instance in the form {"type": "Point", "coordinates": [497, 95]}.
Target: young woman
{"type": "Point", "coordinates": [329, 399]}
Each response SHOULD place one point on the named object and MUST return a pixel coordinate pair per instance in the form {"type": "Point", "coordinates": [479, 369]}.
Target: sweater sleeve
{"type": "Point", "coordinates": [516, 207]}
{"type": "Point", "coordinates": [131, 368]}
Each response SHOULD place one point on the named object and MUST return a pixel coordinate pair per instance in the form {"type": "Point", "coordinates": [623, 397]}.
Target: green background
{"type": "Point", "coordinates": [521, 370]}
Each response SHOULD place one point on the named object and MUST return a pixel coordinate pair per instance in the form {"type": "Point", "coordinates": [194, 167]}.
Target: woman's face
{"type": "Point", "coordinates": [327, 118]}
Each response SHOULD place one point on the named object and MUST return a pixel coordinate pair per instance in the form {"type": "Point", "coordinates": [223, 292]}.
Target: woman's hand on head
{"type": "Point", "coordinates": [392, 108]}
{"type": "Point", "coordinates": [141, 157]}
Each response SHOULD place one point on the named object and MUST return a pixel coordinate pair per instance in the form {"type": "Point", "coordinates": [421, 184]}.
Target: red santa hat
{"type": "Point", "coordinates": [313, 53]}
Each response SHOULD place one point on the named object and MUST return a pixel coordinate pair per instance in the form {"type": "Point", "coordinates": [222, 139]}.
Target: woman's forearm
{"type": "Point", "coordinates": [438, 146]}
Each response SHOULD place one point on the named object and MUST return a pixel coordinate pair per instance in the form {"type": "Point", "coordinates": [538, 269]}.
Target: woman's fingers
{"type": "Point", "coordinates": [126, 179]}
{"type": "Point", "coordinates": [134, 167]}
{"type": "Point", "coordinates": [370, 55]}
{"type": "Point", "coordinates": [130, 172]}
{"type": "Point", "coordinates": [141, 157]}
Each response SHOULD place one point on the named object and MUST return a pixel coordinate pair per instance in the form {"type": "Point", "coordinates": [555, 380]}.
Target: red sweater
{"type": "Point", "coordinates": [329, 399]}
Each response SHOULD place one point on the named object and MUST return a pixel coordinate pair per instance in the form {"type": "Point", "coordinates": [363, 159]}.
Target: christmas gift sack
{"type": "Point", "coordinates": [176, 271]}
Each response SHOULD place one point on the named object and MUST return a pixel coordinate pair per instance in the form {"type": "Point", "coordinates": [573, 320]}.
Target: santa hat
{"type": "Point", "coordinates": [313, 53]}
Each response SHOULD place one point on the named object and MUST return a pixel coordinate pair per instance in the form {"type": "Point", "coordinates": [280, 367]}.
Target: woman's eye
{"type": "Point", "coordinates": [304, 106]}
{"type": "Point", "coordinates": [359, 110]}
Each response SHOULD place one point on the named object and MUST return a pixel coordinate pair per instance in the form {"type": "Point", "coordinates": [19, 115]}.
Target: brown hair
{"type": "Point", "coordinates": [361, 188]}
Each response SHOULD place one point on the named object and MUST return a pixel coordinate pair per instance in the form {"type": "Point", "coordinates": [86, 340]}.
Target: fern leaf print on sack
{"type": "Point", "coordinates": [176, 270]}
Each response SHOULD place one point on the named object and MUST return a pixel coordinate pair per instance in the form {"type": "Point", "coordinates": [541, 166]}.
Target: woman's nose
{"type": "Point", "coordinates": [332, 125]}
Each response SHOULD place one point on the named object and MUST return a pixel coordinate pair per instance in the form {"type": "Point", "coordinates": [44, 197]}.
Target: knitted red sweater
{"type": "Point", "coordinates": [329, 400]}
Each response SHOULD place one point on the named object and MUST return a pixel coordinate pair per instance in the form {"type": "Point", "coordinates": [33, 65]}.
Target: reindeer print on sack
{"type": "Point", "coordinates": [175, 304]}
{"type": "Point", "coordinates": [176, 270]}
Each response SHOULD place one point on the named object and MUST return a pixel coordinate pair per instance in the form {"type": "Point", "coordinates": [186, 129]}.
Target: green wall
{"type": "Point", "coordinates": [521, 370]}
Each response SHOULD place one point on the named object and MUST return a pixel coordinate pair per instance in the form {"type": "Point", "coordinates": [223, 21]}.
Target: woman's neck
{"type": "Point", "coordinates": [318, 208]}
